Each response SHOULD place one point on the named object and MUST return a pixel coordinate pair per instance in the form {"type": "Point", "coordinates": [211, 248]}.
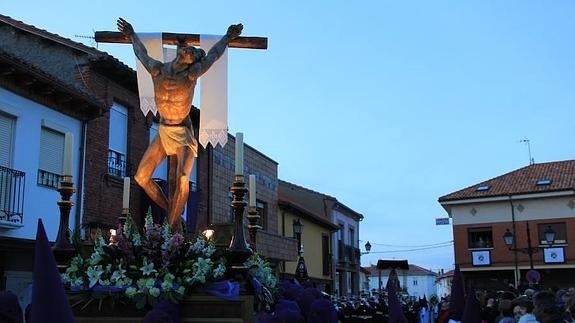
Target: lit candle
{"type": "Point", "coordinates": [252, 190]}
{"type": "Point", "coordinates": [68, 146]}
{"type": "Point", "coordinates": [239, 153]}
{"type": "Point", "coordinates": [126, 196]}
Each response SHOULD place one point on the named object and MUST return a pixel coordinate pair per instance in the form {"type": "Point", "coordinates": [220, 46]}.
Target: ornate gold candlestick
{"type": "Point", "coordinates": [253, 226]}
{"type": "Point", "coordinates": [238, 251]}
{"type": "Point", "coordinates": [63, 248]}
{"type": "Point", "coordinates": [122, 218]}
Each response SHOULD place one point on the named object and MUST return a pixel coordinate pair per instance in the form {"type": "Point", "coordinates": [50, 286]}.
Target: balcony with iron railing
{"type": "Point", "coordinates": [48, 179]}
{"type": "Point", "coordinates": [117, 165]}
{"type": "Point", "coordinates": [11, 197]}
{"type": "Point", "coordinates": [352, 254]}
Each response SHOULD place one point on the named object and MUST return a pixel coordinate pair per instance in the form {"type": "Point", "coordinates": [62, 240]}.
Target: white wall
{"type": "Point", "coordinates": [444, 286]}
{"type": "Point", "coordinates": [533, 209]}
{"type": "Point", "coordinates": [340, 218]}
{"type": "Point", "coordinates": [39, 202]}
{"type": "Point", "coordinates": [425, 284]}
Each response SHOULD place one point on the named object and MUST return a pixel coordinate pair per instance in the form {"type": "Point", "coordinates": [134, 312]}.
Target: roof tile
{"type": "Point", "coordinates": [522, 181]}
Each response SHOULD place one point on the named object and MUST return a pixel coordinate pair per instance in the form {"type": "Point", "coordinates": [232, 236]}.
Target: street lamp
{"type": "Point", "coordinates": [301, 269]}
{"type": "Point", "coordinates": [297, 230]}
{"type": "Point", "coordinates": [367, 248]}
{"type": "Point", "coordinates": [509, 238]}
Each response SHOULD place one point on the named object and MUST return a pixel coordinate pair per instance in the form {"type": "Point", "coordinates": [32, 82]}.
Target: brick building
{"type": "Point", "coordinates": [51, 86]}
{"type": "Point", "coordinates": [215, 177]}
{"type": "Point", "coordinates": [528, 203]}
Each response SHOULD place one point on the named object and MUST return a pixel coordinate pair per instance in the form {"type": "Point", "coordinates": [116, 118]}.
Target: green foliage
{"type": "Point", "coordinates": [143, 268]}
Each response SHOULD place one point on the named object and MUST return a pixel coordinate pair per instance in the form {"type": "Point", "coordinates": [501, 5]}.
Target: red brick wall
{"type": "Point", "coordinates": [103, 192]}
{"type": "Point", "coordinates": [500, 254]}
{"type": "Point", "coordinates": [216, 175]}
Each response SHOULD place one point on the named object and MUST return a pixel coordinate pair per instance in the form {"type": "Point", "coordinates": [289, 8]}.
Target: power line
{"type": "Point", "coordinates": [410, 250]}
{"type": "Point", "coordinates": [412, 246]}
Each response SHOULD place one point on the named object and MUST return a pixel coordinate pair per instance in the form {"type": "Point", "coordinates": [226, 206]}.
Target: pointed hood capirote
{"type": "Point", "coordinates": [49, 300]}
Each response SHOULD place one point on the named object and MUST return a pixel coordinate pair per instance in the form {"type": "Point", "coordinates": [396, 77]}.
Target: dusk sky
{"type": "Point", "coordinates": [385, 105]}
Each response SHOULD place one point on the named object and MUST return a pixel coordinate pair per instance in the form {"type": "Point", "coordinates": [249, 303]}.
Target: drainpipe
{"type": "Point", "coordinates": [283, 263]}
{"type": "Point", "coordinates": [516, 270]}
{"type": "Point", "coordinates": [80, 185]}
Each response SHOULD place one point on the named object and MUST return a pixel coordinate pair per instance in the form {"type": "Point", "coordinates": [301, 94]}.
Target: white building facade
{"type": "Point", "coordinates": [418, 282]}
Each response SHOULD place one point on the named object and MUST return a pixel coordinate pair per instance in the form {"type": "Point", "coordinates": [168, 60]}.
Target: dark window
{"type": "Point", "coordinates": [560, 232]}
{"type": "Point", "coordinates": [262, 212]}
{"type": "Point", "coordinates": [351, 237]}
{"type": "Point", "coordinates": [326, 257]}
{"type": "Point", "coordinates": [480, 238]}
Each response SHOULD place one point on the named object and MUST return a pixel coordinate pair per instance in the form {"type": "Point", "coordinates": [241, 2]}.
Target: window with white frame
{"type": "Point", "coordinates": [118, 140]}
{"type": "Point", "coordinates": [415, 282]}
{"type": "Point", "coordinates": [51, 157]}
{"type": "Point", "coordinates": [7, 126]}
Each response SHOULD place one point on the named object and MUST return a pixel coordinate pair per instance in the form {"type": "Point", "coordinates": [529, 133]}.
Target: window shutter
{"type": "Point", "coordinates": [51, 151]}
{"type": "Point", "coordinates": [6, 139]}
{"type": "Point", "coordinates": [118, 129]}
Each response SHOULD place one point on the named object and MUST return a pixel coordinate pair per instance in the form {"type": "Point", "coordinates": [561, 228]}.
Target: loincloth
{"type": "Point", "coordinates": [174, 136]}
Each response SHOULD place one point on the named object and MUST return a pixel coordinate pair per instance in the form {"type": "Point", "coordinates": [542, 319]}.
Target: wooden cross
{"type": "Point", "coordinates": [178, 39]}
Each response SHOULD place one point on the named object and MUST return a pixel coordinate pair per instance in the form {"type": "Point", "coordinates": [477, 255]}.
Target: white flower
{"type": "Point", "coordinates": [169, 277]}
{"type": "Point", "coordinates": [219, 271]}
{"type": "Point", "coordinates": [166, 231]}
{"type": "Point", "coordinates": [154, 291]}
{"type": "Point", "coordinates": [200, 269]}
{"type": "Point", "coordinates": [94, 273]}
{"type": "Point", "coordinates": [198, 246]}
{"type": "Point", "coordinates": [118, 274]}
{"type": "Point", "coordinates": [136, 239]}
{"type": "Point", "coordinates": [95, 258]}
{"type": "Point", "coordinates": [148, 268]}
{"type": "Point", "coordinates": [131, 292]}
{"type": "Point", "coordinates": [77, 282]}
{"type": "Point", "coordinates": [209, 250]}
{"type": "Point", "coordinates": [149, 221]}
{"type": "Point", "coordinates": [166, 285]}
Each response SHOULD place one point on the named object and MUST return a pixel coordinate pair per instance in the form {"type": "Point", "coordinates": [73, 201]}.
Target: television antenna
{"type": "Point", "coordinates": [528, 143]}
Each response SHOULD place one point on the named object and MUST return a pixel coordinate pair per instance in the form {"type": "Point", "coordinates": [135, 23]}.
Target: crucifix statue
{"type": "Point", "coordinates": [173, 84]}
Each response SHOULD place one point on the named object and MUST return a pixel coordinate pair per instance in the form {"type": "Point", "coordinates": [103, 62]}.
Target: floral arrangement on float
{"type": "Point", "coordinates": [144, 268]}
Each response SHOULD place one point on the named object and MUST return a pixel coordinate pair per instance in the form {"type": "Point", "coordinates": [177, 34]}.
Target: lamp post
{"type": "Point", "coordinates": [367, 248]}
{"type": "Point", "coordinates": [509, 239]}
{"type": "Point", "coordinates": [301, 269]}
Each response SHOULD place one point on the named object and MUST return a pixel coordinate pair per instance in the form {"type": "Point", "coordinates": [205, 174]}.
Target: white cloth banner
{"type": "Point", "coordinates": [214, 98]}
{"type": "Point", "coordinates": [153, 44]}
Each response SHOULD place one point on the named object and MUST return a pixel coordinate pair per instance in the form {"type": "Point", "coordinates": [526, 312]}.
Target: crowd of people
{"type": "Point", "coordinates": [511, 306]}
{"type": "Point", "coordinates": [377, 309]}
